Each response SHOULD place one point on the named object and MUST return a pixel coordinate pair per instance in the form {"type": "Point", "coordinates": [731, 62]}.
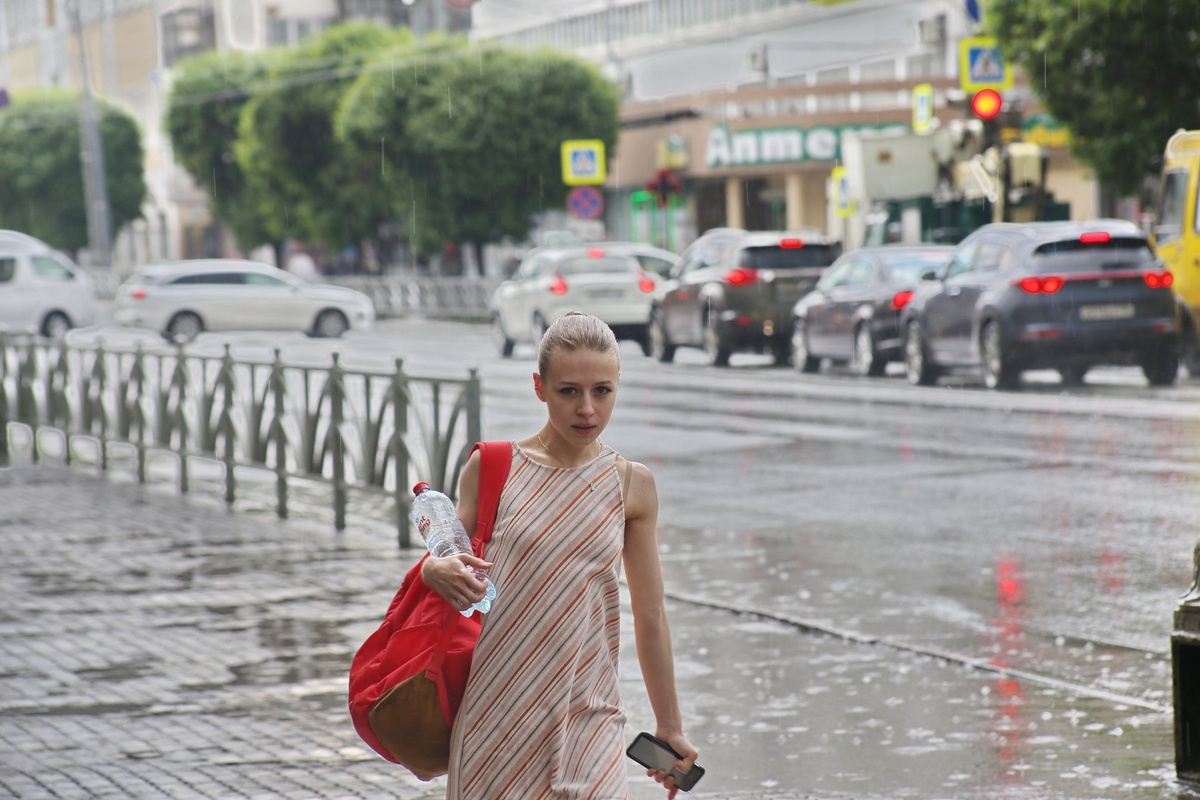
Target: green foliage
{"type": "Point", "coordinates": [205, 104]}
{"type": "Point", "coordinates": [305, 182]}
{"type": "Point", "coordinates": [474, 136]}
{"type": "Point", "coordinates": [1121, 74]}
{"type": "Point", "coordinates": [41, 178]}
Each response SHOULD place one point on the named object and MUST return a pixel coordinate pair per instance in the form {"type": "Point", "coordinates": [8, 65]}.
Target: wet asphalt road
{"type": "Point", "coordinates": [878, 591]}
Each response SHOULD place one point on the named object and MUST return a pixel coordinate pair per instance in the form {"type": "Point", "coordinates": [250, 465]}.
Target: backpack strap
{"type": "Point", "coordinates": [495, 459]}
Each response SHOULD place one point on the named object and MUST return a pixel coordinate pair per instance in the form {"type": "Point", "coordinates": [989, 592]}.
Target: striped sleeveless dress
{"type": "Point", "coordinates": [542, 715]}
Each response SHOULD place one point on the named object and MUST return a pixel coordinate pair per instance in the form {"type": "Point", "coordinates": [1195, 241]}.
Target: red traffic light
{"type": "Point", "coordinates": [986, 103]}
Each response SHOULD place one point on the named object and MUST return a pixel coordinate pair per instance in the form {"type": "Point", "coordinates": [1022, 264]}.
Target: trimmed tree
{"type": "Point", "coordinates": [203, 110]}
{"type": "Point", "coordinates": [305, 182]}
{"type": "Point", "coordinates": [476, 136]}
{"type": "Point", "coordinates": [41, 179]}
{"type": "Point", "coordinates": [1121, 74]}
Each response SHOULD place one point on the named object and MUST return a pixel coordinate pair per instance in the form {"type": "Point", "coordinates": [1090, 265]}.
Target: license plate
{"type": "Point", "coordinates": [1107, 311]}
{"type": "Point", "coordinates": [606, 294]}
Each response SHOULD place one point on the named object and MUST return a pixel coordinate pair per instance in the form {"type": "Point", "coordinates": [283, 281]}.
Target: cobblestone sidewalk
{"type": "Point", "coordinates": [153, 645]}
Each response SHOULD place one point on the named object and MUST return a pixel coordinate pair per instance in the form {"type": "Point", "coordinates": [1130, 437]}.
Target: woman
{"type": "Point", "coordinates": [542, 715]}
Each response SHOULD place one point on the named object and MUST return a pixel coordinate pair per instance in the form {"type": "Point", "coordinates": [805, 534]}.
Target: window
{"type": "Point", "coordinates": [8, 268]}
{"type": "Point", "coordinates": [187, 31]}
{"type": "Point", "coordinates": [962, 260]}
{"type": "Point", "coordinates": [992, 257]}
{"type": "Point", "coordinates": [48, 268]}
{"type": "Point", "coordinates": [925, 65]}
{"type": "Point", "coordinates": [254, 279]}
{"type": "Point", "coordinates": [1171, 205]}
{"type": "Point", "coordinates": [877, 71]}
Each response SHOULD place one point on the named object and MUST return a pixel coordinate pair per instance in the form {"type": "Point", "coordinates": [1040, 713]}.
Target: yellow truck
{"type": "Point", "coordinates": [1176, 236]}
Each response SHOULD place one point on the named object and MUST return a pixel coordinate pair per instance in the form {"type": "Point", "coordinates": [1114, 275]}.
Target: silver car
{"type": "Point", "coordinates": [551, 281]}
{"type": "Point", "coordinates": [41, 289]}
{"type": "Point", "coordinates": [183, 299]}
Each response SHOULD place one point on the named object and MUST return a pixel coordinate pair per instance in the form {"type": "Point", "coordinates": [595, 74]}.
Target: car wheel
{"type": "Point", "coordinates": [55, 325]}
{"type": "Point", "coordinates": [539, 328]}
{"type": "Point", "coordinates": [1072, 374]}
{"type": "Point", "coordinates": [504, 345]}
{"type": "Point", "coordinates": [184, 326]}
{"type": "Point", "coordinates": [660, 344]}
{"type": "Point", "coordinates": [999, 371]}
{"type": "Point", "coordinates": [716, 350]}
{"type": "Point", "coordinates": [801, 358]}
{"type": "Point", "coordinates": [866, 361]}
{"type": "Point", "coordinates": [782, 352]}
{"type": "Point", "coordinates": [330, 324]}
{"type": "Point", "coordinates": [643, 339]}
{"type": "Point", "coordinates": [918, 365]}
{"type": "Point", "coordinates": [1161, 366]}
{"type": "Point", "coordinates": [1190, 353]}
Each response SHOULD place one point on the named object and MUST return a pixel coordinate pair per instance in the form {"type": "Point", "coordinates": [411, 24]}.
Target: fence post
{"type": "Point", "coordinates": [336, 398]}
{"type": "Point", "coordinates": [225, 426]}
{"type": "Point", "coordinates": [277, 429]}
{"type": "Point", "coordinates": [3, 401]}
{"type": "Point", "coordinates": [27, 412]}
{"type": "Point", "coordinates": [400, 452]}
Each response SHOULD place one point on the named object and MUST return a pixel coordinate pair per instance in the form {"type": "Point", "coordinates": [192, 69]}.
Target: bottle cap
{"type": "Point", "coordinates": [420, 487]}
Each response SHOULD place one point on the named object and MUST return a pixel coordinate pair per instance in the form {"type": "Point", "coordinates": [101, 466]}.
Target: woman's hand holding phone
{"type": "Point", "coordinates": [666, 758]}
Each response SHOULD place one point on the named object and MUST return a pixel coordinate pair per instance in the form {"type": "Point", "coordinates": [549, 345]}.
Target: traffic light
{"type": "Point", "coordinates": [986, 103]}
{"type": "Point", "coordinates": [663, 186]}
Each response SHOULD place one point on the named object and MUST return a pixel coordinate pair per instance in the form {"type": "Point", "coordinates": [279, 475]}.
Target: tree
{"type": "Point", "coordinates": [203, 110]}
{"type": "Point", "coordinates": [477, 133]}
{"type": "Point", "coordinates": [306, 183]}
{"type": "Point", "coordinates": [1121, 74]}
{"type": "Point", "coordinates": [41, 178]}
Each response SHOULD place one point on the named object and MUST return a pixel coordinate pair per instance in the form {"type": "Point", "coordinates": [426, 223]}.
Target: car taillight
{"type": "Point", "coordinates": [1159, 280]}
{"type": "Point", "coordinates": [1095, 237]}
{"type": "Point", "coordinates": [791, 244]}
{"type": "Point", "coordinates": [138, 293]}
{"type": "Point", "coordinates": [646, 284]}
{"type": "Point", "coordinates": [741, 276]}
{"type": "Point", "coordinates": [1041, 284]}
{"type": "Point", "coordinates": [559, 286]}
{"type": "Point", "coordinates": [595, 252]}
{"type": "Point", "coordinates": [901, 299]}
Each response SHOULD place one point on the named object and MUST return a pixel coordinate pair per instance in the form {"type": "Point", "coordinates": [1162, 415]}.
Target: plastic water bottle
{"type": "Point", "coordinates": [434, 516]}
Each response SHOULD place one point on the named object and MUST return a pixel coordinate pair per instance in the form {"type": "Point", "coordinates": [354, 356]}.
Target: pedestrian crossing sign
{"type": "Point", "coordinates": [981, 65]}
{"type": "Point", "coordinates": [583, 162]}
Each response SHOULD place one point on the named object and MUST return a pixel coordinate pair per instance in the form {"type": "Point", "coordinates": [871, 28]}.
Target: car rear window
{"type": "Point", "coordinates": [587, 264]}
{"type": "Point", "coordinates": [1072, 255]}
{"type": "Point", "coordinates": [776, 257]}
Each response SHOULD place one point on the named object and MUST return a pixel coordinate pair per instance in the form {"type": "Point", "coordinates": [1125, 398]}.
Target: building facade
{"type": "Point", "coordinates": [747, 101]}
{"type": "Point", "coordinates": [130, 47]}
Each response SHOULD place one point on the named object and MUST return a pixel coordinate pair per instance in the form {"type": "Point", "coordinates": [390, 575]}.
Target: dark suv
{"type": "Point", "coordinates": [733, 291]}
{"type": "Point", "coordinates": [1060, 295]}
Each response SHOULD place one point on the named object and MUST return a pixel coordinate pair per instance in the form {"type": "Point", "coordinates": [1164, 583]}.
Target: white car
{"type": "Point", "coordinates": [184, 298]}
{"type": "Point", "coordinates": [552, 281]}
{"type": "Point", "coordinates": [41, 289]}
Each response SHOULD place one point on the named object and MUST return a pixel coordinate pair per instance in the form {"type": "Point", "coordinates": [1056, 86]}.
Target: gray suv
{"type": "Point", "coordinates": [733, 291]}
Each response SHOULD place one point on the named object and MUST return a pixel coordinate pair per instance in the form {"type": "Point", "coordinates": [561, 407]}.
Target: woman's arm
{"type": "Point", "coordinates": [643, 573]}
{"type": "Point", "coordinates": [452, 577]}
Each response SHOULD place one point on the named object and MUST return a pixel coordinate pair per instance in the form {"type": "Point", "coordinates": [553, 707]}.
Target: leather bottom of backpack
{"type": "Point", "coordinates": [409, 722]}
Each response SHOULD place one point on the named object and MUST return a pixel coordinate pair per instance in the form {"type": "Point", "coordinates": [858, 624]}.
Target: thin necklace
{"type": "Point", "coordinates": [559, 460]}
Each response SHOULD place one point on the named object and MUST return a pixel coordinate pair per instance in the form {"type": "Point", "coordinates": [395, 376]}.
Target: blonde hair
{"type": "Point", "coordinates": [576, 331]}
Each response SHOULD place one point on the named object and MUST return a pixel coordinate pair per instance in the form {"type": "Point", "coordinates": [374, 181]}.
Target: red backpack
{"type": "Point", "coordinates": [408, 678]}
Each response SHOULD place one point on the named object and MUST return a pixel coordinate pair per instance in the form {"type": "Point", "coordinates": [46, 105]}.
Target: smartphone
{"type": "Point", "coordinates": [653, 753]}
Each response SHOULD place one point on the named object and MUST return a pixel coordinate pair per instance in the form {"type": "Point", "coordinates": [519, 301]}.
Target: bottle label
{"type": "Point", "coordinates": [423, 524]}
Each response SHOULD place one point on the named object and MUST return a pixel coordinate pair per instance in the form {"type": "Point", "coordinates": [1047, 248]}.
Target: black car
{"type": "Point", "coordinates": [853, 313]}
{"type": "Point", "coordinates": [1060, 295]}
{"type": "Point", "coordinates": [733, 291]}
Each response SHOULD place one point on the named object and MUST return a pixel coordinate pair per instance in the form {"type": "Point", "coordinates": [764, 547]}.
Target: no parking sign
{"type": "Point", "coordinates": [585, 202]}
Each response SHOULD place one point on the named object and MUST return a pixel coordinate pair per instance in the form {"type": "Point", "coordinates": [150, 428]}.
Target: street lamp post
{"type": "Point", "coordinates": [91, 157]}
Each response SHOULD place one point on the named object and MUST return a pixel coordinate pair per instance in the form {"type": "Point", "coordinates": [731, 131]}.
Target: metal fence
{"type": "Point", "coordinates": [350, 429]}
